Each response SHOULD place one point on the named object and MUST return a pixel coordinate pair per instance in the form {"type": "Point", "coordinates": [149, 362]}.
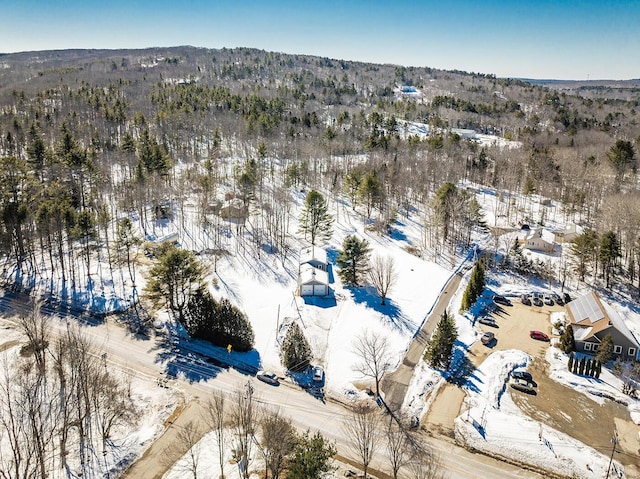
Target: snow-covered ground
{"type": "Point", "coordinates": [264, 289]}
{"type": "Point", "coordinates": [492, 423]}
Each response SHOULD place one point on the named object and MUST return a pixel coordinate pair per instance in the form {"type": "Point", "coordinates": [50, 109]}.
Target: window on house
{"type": "Point", "coordinates": [587, 346]}
{"type": "Point", "coordinates": [632, 352]}
{"type": "Point", "coordinates": [617, 350]}
{"type": "Point", "coordinates": [594, 347]}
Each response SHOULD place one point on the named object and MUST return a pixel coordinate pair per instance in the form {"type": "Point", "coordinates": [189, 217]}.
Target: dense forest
{"type": "Point", "coordinates": [89, 138]}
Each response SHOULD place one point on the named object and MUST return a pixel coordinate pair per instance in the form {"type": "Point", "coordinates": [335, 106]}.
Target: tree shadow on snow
{"type": "Point", "coordinates": [368, 296]}
{"type": "Point", "coordinates": [196, 360]}
{"type": "Point", "coordinates": [462, 372]}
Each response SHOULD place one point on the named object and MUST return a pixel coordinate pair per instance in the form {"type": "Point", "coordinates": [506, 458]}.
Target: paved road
{"type": "Point", "coordinates": [149, 358]}
{"type": "Point", "coordinates": [396, 383]}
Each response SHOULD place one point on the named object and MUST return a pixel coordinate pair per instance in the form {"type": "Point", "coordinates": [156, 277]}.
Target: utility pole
{"type": "Point", "coordinates": [614, 441]}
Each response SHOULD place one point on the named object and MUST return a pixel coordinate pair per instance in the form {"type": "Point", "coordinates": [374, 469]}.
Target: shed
{"type": "Point", "coordinates": [313, 281]}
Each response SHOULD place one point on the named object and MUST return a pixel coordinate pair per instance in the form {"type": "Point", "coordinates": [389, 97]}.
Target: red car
{"type": "Point", "coordinates": [539, 335]}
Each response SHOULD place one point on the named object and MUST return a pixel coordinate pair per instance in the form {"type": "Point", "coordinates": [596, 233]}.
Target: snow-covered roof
{"type": "Point", "coordinates": [311, 275]}
{"type": "Point", "coordinates": [313, 253]}
{"type": "Point", "coordinates": [580, 333]}
{"type": "Point", "coordinates": [540, 233]}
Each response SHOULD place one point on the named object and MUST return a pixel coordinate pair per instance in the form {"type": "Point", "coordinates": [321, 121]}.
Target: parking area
{"type": "Point", "coordinates": [512, 332]}
{"type": "Point", "coordinates": [575, 417]}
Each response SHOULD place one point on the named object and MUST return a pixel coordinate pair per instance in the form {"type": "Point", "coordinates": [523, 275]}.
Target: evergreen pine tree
{"type": "Point", "coordinates": [576, 362]}
{"type": "Point", "coordinates": [570, 364]}
{"type": "Point", "coordinates": [315, 220]}
{"type": "Point", "coordinates": [311, 457]}
{"type": "Point", "coordinates": [440, 347]}
{"type": "Point", "coordinates": [295, 352]}
{"type": "Point", "coordinates": [475, 287]}
{"type": "Point", "coordinates": [583, 361]}
{"type": "Point", "coordinates": [587, 367]}
{"type": "Point", "coordinates": [605, 351]}
{"type": "Point", "coordinates": [221, 323]}
{"type": "Point", "coordinates": [353, 260]}
{"type": "Point", "coordinates": [567, 341]}
{"type": "Point", "coordinates": [598, 369]}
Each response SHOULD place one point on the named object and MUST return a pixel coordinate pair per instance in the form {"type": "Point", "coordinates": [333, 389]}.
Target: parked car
{"type": "Point", "coordinates": [547, 300]}
{"type": "Point", "coordinates": [487, 338]}
{"type": "Point", "coordinates": [522, 375]}
{"type": "Point", "coordinates": [524, 299]}
{"type": "Point", "coordinates": [539, 335]}
{"type": "Point", "coordinates": [268, 377]}
{"type": "Point", "coordinates": [489, 321]}
{"type": "Point", "coordinates": [318, 374]}
{"type": "Point", "coordinates": [523, 386]}
{"type": "Point", "coordinates": [566, 297]}
{"type": "Point", "coordinates": [537, 299]}
{"type": "Point", "coordinates": [501, 300]}
{"type": "Point", "coordinates": [556, 297]}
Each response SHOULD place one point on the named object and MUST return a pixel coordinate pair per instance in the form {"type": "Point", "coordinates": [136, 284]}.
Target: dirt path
{"type": "Point", "coordinates": [166, 450]}
{"type": "Point", "coordinates": [396, 383]}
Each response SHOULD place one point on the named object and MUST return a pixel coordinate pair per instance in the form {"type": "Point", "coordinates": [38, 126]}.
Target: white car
{"type": "Point", "coordinates": [268, 377]}
{"type": "Point", "coordinates": [318, 374]}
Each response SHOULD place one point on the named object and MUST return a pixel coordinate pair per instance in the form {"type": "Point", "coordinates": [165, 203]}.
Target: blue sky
{"type": "Point", "coordinates": [532, 39]}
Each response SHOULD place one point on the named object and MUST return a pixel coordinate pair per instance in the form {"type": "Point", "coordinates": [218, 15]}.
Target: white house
{"type": "Point", "coordinates": [566, 235]}
{"type": "Point", "coordinates": [312, 281]}
{"type": "Point", "coordinates": [315, 256]}
{"type": "Point", "coordinates": [537, 241]}
{"type": "Point", "coordinates": [313, 278]}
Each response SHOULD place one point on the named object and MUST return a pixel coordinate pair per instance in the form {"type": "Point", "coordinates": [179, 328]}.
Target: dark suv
{"type": "Point", "coordinates": [501, 300]}
{"type": "Point", "coordinates": [523, 375]}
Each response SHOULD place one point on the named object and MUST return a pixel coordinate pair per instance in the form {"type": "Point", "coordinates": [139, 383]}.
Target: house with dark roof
{"type": "Point", "coordinates": [592, 319]}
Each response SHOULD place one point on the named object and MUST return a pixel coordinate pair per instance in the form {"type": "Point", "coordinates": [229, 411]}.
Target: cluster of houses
{"type": "Point", "coordinates": [544, 240]}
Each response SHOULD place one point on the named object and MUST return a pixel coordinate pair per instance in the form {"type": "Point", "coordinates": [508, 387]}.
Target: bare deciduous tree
{"type": "Point", "coordinates": [243, 421]}
{"type": "Point", "coordinates": [188, 438]}
{"type": "Point", "coordinates": [425, 464]}
{"type": "Point", "coordinates": [35, 327]}
{"type": "Point", "coordinates": [399, 446]}
{"type": "Point", "coordinates": [382, 275]}
{"type": "Point", "coordinates": [363, 431]}
{"type": "Point", "coordinates": [373, 351]}
{"type": "Point", "coordinates": [278, 441]}
{"type": "Point", "coordinates": [216, 412]}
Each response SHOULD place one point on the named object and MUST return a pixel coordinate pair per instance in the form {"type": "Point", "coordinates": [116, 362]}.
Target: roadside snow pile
{"type": "Point", "coordinates": [492, 423]}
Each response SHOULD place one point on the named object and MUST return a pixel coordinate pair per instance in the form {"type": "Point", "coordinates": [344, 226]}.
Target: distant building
{"type": "Point", "coordinates": [566, 235]}
{"type": "Point", "coordinates": [464, 133]}
{"type": "Point", "coordinates": [592, 319]}
{"type": "Point", "coordinates": [536, 240]}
